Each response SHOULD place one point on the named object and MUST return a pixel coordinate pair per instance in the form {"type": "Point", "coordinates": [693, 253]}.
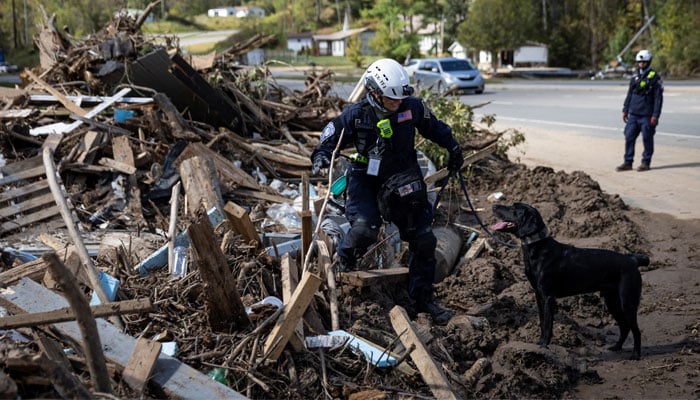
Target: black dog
{"type": "Point", "coordinates": [559, 270]}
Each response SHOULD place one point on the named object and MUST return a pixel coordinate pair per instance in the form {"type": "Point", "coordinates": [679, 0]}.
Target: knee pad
{"type": "Point", "coordinates": [362, 234]}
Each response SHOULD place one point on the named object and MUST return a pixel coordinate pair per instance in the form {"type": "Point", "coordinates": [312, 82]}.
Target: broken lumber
{"type": "Point", "coordinates": [430, 371]}
{"type": "Point", "coordinates": [291, 314]}
{"type": "Point", "coordinates": [88, 329]}
{"type": "Point", "coordinates": [373, 277]}
{"type": "Point", "coordinates": [239, 220]}
{"type": "Point", "coordinates": [290, 279]}
{"type": "Point", "coordinates": [68, 314]}
{"type": "Point", "coordinates": [141, 363]}
{"type": "Point", "coordinates": [225, 310]}
{"type": "Point", "coordinates": [178, 380]}
{"type": "Point", "coordinates": [471, 159]}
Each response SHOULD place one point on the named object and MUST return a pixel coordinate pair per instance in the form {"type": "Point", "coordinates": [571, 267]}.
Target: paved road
{"type": "Point", "coordinates": [577, 126]}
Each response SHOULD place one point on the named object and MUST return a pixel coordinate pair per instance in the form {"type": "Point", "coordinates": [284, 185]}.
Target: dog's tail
{"type": "Point", "coordinates": [641, 259]}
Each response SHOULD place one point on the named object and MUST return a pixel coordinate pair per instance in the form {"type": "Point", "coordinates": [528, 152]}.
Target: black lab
{"type": "Point", "coordinates": [558, 270]}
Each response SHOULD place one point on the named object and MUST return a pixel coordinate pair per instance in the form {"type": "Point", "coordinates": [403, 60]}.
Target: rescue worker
{"type": "Point", "coordinates": [384, 180]}
{"type": "Point", "coordinates": [641, 111]}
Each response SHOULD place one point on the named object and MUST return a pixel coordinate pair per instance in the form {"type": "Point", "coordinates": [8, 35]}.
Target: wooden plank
{"type": "Point", "coordinates": [24, 220]}
{"type": "Point", "coordinates": [292, 313]}
{"type": "Point", "coordinates": [121, 149]}
{"type": "Point", "coordinates": [429, 369]}
{"type": "Point", "coordinates": [22, 175]}
{"type": "Point", "coordinates": [29, 204]}
{"type": "Point", "coordinates": [471, 159]}
{"type": "Point", "coordinates": [137, 306]}
{"type": "Point", "coordinates": [290, 279]}
{"type": "Point", "coordinates": [141, 363]}
{"type": "Point", "coordinates": [117, 166]}
{"type": "Point", "coordinates": [25, 190]}
{"type": "Point", "coordinates": [33, 270]}
{"type": "Point", "coordinates": [475, 249]}
{"type": "Point", "coordinates": [374, 276]}
{"type": "Point", "coordinates": [177, 379]}
{"type": "Point", "coordinates": [72, 107]}
{"type": "Point", "coordinates": [262, 196]}
{"type": "Point", "coordinates": [91, 140]}
{"type": "Point", "coordinates": [20, 166]}
{"type": "Point", "coordinates": [240, 222]}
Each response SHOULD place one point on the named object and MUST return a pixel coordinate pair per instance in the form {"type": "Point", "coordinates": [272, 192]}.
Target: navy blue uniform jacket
{"type": "Point", "coordinates": [645, 95]}
{"type": "Point", "coordinates": [398, 154]}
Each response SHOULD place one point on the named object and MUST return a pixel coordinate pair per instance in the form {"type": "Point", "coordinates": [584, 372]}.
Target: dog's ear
{"type": "Point", "coordinates": [529, 220]}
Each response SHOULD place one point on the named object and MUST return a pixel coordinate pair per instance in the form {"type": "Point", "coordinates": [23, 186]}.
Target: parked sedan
{"type": "Point", "coordinates": [443, 73]}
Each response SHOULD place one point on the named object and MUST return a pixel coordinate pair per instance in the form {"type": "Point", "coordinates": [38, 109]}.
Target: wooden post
{"type": "Point", "coordinates": [325, 264]}
{"type": "Point", "coordinates": [224, 305]}
{"type": "Point", "coordinates": [201, 184]}
{"type": "Point", "coordinates": [306, 220]}
{"type": "Point", "coordinates": [88, 328]}
{"type": "Point", "coordinates": [290, 279]}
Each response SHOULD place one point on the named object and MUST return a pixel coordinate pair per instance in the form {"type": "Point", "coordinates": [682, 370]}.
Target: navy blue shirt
{"type": "Point", "coordinates": [645, 94]}
{"type": "Point", "coordinates": [359, 122]}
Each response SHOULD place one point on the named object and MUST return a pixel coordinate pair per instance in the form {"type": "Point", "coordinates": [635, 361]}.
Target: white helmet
{"type": "Point", "coordinates": [643, 55]}
{"type": "Point", "coordinates": [388, 78]}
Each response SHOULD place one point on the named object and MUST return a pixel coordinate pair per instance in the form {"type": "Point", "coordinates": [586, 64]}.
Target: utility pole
{"type": "Point", "coordinates": [14, 25]}
{"type": "Point", "coordinates": [26, 26]}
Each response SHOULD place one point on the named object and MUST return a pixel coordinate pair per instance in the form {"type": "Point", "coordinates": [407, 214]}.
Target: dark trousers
{"type": "Point", "coordinates": [635, 125]}
{"type": "Point", "coordinates": [413, 221]}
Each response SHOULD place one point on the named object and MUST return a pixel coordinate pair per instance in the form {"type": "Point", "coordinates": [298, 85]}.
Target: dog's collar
{"type": "Point", "coordinates": [535, 237]}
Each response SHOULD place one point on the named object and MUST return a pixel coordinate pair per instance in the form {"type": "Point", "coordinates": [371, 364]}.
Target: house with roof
{"type": "Point", "coordinates": [532, 54]}
{"type": "Point", "coordinates": [300, 42]}
{"type": "Point", "coordinates": [238, 12]}
{"type": "Point", "coordinates": [334, 44]}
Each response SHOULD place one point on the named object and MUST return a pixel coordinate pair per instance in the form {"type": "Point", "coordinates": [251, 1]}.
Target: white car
{"type": "Point", "coordinates": [444, 73]}
{"type": "Point", "coordinates": [411, 66]}
{"type": "Point", "coordinates": [6, 68]}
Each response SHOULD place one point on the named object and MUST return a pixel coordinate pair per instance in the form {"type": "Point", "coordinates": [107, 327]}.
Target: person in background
{"type": "Point", "coordinates": [641, 111]}
{"type": "Point", "coordinates": [384, 180]}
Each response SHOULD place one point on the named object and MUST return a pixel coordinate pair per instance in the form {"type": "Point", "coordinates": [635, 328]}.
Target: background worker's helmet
{"type": "Point", "coordinates": [643, 55]}
{"type": "Point", "coordinates": [386, 77]}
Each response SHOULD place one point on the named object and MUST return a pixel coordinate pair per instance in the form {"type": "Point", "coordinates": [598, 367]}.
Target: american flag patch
{"type": "Point", "coordinates": [405, 116]}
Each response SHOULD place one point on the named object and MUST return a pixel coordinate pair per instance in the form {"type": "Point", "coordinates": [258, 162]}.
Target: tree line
{"type": "Point", "coordinates": [580, 34]}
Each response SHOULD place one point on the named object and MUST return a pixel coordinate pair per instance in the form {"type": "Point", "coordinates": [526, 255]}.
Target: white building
{"type": "Point", "coordinates": [239, 12]}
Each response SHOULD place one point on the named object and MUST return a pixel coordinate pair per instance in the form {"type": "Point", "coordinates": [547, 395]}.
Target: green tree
{"type": "Point", "coordinates": [391, 39]}
{"type": "Point", "coordinates": [497, 25]}
{"type": "Point", "coordinates": [678, 49]}
{"type": "Point", "coordinates": [354, 51]}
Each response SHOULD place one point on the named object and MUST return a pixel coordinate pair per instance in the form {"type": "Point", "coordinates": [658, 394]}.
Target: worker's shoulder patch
{"type": "Point", "coordinates": [328, 131]}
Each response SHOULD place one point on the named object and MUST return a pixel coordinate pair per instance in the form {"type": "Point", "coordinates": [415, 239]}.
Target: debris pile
{"type": "Point", "coordinates": [178, 200]}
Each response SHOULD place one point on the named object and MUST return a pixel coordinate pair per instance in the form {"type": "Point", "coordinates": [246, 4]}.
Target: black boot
{"type": "Point", "coordinates": [425, 303]}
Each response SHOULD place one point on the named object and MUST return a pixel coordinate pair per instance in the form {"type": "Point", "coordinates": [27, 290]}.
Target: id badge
{"type": "Point", "coordinates": [373, 165]}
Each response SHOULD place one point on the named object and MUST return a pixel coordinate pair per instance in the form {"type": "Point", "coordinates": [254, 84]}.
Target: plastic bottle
{"type": "Point", "coordinates": [179, 261]}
